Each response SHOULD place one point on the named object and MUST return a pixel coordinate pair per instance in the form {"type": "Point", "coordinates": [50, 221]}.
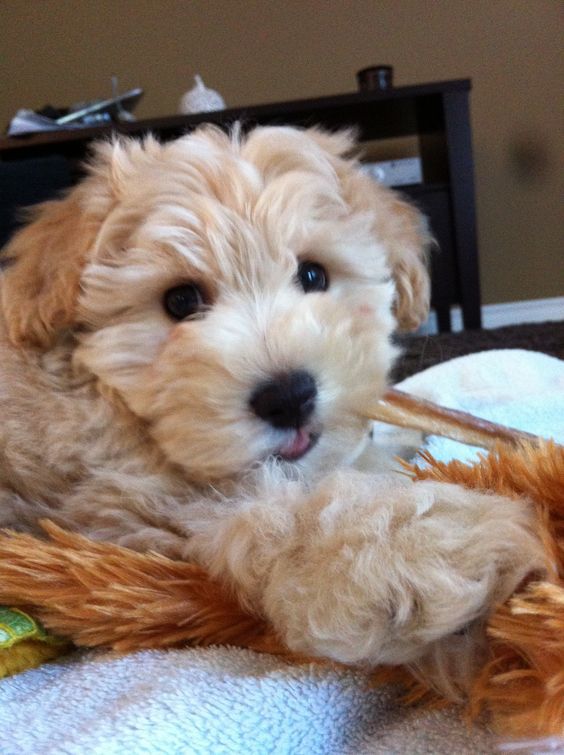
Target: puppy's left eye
{"type": "Point", "coordinates": [182, 301]}
{"type": "Point", "coordinates": [312, 277]}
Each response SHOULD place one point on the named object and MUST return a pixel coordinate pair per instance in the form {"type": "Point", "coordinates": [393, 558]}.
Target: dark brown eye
{"type": "Point", "coordinates": [312, 277]}
{"type": "Point", "coordinates": [182, 301]}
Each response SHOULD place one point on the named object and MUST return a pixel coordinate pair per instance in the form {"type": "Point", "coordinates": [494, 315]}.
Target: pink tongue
{"type": "Point", "coordinates": [296, 446]}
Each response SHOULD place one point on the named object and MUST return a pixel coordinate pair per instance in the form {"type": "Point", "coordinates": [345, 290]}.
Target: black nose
{"type": "Point", "coordinates": [285, 401]}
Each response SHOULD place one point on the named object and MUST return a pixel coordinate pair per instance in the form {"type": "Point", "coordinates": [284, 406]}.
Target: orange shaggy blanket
{"type": "Point", "coordinates": [100, 594]}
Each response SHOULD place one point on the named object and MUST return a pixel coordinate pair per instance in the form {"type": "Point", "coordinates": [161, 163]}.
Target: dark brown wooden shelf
{"type": "Point", "coordinates": [392, 119]}
{"type": "Point", "coordinates": [34, 167]}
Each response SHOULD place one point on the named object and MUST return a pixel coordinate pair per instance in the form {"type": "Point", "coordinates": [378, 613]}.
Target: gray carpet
{"type": "Point", "coordinates": [420, 352]}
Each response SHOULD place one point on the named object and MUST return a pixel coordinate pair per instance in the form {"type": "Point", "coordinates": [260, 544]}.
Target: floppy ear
{"type": "Point", "coordinates": [398, 226]}
{"type": "Point", "coordinates": [39, 289]}
{"type": "Point", "coordinates": [45, 260]}
{"type": "Point", "coordinates": [402, 231]}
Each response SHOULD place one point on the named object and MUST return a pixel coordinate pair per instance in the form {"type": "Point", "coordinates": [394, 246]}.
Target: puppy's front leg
{"type": "Point", "coordinates": [368, 570]}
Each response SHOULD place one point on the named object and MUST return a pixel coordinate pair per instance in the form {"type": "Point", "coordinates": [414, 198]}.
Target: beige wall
{"type": "Point", "coordinates": [60, 51]}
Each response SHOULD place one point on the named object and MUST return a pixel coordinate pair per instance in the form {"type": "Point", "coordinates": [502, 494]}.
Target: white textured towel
{"type": "Point", "coordinates": [522, 389]}
{"type": "Point", "coordinates": [228, 700]}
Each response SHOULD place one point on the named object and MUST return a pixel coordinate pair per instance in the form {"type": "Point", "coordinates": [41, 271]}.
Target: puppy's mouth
{"type": "Point", "coordinates": [298, 444]}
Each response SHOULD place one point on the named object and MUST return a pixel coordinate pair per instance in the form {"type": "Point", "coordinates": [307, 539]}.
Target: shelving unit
{"type": "Point", "coordinates": [34, 168]}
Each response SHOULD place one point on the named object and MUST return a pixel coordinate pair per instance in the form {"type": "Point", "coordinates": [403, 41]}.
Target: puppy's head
{"type": "Point", "coordinates": [237, 293]}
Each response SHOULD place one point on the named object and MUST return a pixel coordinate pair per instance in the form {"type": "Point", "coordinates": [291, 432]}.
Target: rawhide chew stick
{"type": "Point", "coordinates": [405, 410]}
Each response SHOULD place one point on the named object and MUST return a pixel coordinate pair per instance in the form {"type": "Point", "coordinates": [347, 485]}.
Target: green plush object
{"type": "Point", "coordinates": [24, 644]}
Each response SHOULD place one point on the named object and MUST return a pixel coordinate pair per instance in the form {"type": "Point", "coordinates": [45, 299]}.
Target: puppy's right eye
{"type": "Point", "coordinates": [312, 277]}
{"type": "Point", "coordinates": [182, 301]}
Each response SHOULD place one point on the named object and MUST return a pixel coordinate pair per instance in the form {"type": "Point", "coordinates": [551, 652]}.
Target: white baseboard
{"type": "Point", "coordinates": [508, 313]}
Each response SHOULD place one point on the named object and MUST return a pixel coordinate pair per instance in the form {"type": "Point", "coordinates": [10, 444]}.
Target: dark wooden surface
{"type": "Point", "coordinates": [34, 167]}
{"type": "Point", "coordinates": [395, 118]}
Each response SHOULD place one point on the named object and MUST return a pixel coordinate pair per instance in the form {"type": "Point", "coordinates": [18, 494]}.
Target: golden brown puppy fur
{"type": "Point", "coordinates": [127, 425]}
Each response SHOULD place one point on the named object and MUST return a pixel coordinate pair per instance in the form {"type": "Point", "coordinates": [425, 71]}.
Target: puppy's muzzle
{"type": "Point", "coordinates": [286, 401]}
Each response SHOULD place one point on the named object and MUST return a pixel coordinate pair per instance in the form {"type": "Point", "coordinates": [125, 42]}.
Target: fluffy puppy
{"type": "Point", "coordinates": [188, 340]}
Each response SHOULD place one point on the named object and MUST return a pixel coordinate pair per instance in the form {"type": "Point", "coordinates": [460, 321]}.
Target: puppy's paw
{"type": "Point", "coordinates": [381, 572]}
